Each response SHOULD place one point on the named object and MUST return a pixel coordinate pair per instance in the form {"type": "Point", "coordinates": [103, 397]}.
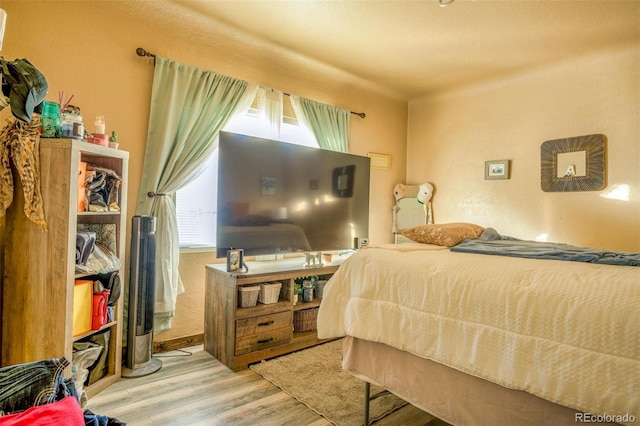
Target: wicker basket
{"type": "Point", "coordinates": [269, 292]}
{"type": "Point", "coordinates": [306, 319]}
{"type": "Point", "coordinates": [248, 296]}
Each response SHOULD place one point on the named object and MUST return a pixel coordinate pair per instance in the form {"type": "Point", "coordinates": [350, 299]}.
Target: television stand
{"type": "Point", "coordinates": [238, 336]}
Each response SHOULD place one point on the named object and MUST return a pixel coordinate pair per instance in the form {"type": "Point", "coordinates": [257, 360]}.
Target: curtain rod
{"type": "Point", "coordinates": [142, 52]}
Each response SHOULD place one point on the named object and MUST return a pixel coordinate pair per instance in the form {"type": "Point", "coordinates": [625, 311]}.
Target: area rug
{"type": "Point", "coordinates": [314, 377]}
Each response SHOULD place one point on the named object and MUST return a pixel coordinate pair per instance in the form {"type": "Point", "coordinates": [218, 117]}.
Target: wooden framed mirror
{"type": "Point", "coordinates": [573, 164]}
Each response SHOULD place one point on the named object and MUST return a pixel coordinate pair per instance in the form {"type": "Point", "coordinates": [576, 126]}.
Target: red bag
{"type": "Point", "coordinates": [99, 313]}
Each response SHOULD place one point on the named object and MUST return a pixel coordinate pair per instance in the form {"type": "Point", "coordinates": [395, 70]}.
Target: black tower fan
{"type": "Point", "coordinates": [142, 280]}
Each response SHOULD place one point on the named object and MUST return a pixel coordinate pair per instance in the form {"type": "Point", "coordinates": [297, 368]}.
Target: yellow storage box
{"type": "Point", "coordinates": [82, 301]}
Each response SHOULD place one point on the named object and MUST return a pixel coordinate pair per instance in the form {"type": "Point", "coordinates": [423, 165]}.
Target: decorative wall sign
{"type": "Point", "coordinates": [380, 161]}
{"type": "Point", "coordinates": [496, 169]}
{"type": "Point", "coordinates": [573, 164]}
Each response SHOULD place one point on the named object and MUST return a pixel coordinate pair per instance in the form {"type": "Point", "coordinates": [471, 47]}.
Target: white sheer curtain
{"type": "Point", "coordinates": [270, 111]}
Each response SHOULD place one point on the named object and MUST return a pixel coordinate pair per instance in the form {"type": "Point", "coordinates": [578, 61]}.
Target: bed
{"type": "Point", "coordinates": [490, 339]}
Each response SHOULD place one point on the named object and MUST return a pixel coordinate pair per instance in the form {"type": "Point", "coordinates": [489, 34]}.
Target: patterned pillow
{"type": "Point", "coordinates": [36, 383]}
{"type": "Point", "coordinates": [445, 234]}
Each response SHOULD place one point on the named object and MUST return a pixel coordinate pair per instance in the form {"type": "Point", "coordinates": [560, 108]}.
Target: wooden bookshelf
{"type": "Point", "coordinates": [39, 268]}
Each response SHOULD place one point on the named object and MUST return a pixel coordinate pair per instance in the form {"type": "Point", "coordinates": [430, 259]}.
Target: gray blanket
{"type": "Point", "coordinates": [491, 242]}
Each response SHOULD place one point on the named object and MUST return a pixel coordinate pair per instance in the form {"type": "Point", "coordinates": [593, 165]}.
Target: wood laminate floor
{"type": "Point", "coordinates": [193, 388]}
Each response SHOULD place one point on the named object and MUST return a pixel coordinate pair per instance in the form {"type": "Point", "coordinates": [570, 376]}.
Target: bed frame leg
{"type": "Point", "coordinates": [368, 398]}
{"type": "Point", "coordinates": [367, 390]}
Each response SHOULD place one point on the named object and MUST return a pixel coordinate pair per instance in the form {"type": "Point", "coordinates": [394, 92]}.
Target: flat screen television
{"type": "Point", "coordinates": [277, 197]}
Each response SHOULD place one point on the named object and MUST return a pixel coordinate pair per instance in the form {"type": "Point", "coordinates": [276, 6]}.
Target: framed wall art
{"type": "Point", "coordinates": [573, 164]}
{"type": "Point", "coordinates": [235, 260]}
{"type": "Point", "coordinates": [267, 185]}
{"type": "Point", "coordinates": [496, 169]}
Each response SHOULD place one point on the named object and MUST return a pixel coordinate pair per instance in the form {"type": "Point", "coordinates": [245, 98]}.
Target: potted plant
{"type": "Point", "coordinates": [297, 291]}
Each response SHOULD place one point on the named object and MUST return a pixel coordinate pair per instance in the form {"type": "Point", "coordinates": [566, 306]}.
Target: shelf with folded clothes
{"type": "Point", "coordinates": [97, 250]}
{"type": "Point", "coordinates": [99, 186]}
{"type": "Point", "coordinates": [39, 321]}
{"type": "Point", "coordinates": [101, 199]}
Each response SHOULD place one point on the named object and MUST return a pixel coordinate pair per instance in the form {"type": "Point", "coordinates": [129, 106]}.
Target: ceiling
{"type": "Point", "coordinates": [417, 48]}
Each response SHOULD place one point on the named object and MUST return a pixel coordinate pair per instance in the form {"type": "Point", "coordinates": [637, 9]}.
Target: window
{"type": "Point", "coordinates": [196, 203]}
{"type": "Point", "coordinates": [196, 208]}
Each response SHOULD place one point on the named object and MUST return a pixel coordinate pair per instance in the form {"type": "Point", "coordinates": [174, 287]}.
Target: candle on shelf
{"type": "Point", "coordinates": [99, 124]}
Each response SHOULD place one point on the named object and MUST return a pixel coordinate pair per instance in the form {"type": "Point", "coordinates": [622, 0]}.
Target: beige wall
{"type": "Point", "coordinates": [88, 49]}
{"type": "Point", "coordinates": [451, 136]}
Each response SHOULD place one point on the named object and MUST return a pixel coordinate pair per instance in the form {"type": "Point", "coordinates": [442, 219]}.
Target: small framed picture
{"type": "Point", "coordinates": [496, 169]}
{"type": "Point", "coordinates": [267, 185]}
{"type": "Point", "coordinates": [234, 259]}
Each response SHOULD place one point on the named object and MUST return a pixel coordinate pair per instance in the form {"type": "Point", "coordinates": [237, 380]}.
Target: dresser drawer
{"type": "Point", "coordinates": [267, 339]}
{"type": "Point", "coordinates": [254, 334]}
{"type": "Point", "coordinates": [256, 342]}
{"type": "Point", "coordinates": [263, 323]}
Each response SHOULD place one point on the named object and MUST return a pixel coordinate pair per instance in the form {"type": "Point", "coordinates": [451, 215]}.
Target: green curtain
{"type": "Point", "coordinates": [329, 124]}
{"type": "Point", "coordinates": [188, 108]}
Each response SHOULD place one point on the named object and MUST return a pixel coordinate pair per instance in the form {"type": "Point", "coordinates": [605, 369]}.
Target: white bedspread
{"type": "Point", "coordinates": [568, 332]}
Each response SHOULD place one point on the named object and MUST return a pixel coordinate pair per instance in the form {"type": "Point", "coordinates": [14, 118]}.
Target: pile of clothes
{"type": "Point", "coordinates": [101, 189]}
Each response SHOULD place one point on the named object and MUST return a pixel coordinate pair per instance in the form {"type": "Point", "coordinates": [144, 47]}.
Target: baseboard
{"type": "Point", "coordinates": [179, 343]}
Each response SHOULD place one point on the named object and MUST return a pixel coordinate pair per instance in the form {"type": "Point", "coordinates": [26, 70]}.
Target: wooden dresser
{"type": "Point", "coordinates": [239, 336]}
